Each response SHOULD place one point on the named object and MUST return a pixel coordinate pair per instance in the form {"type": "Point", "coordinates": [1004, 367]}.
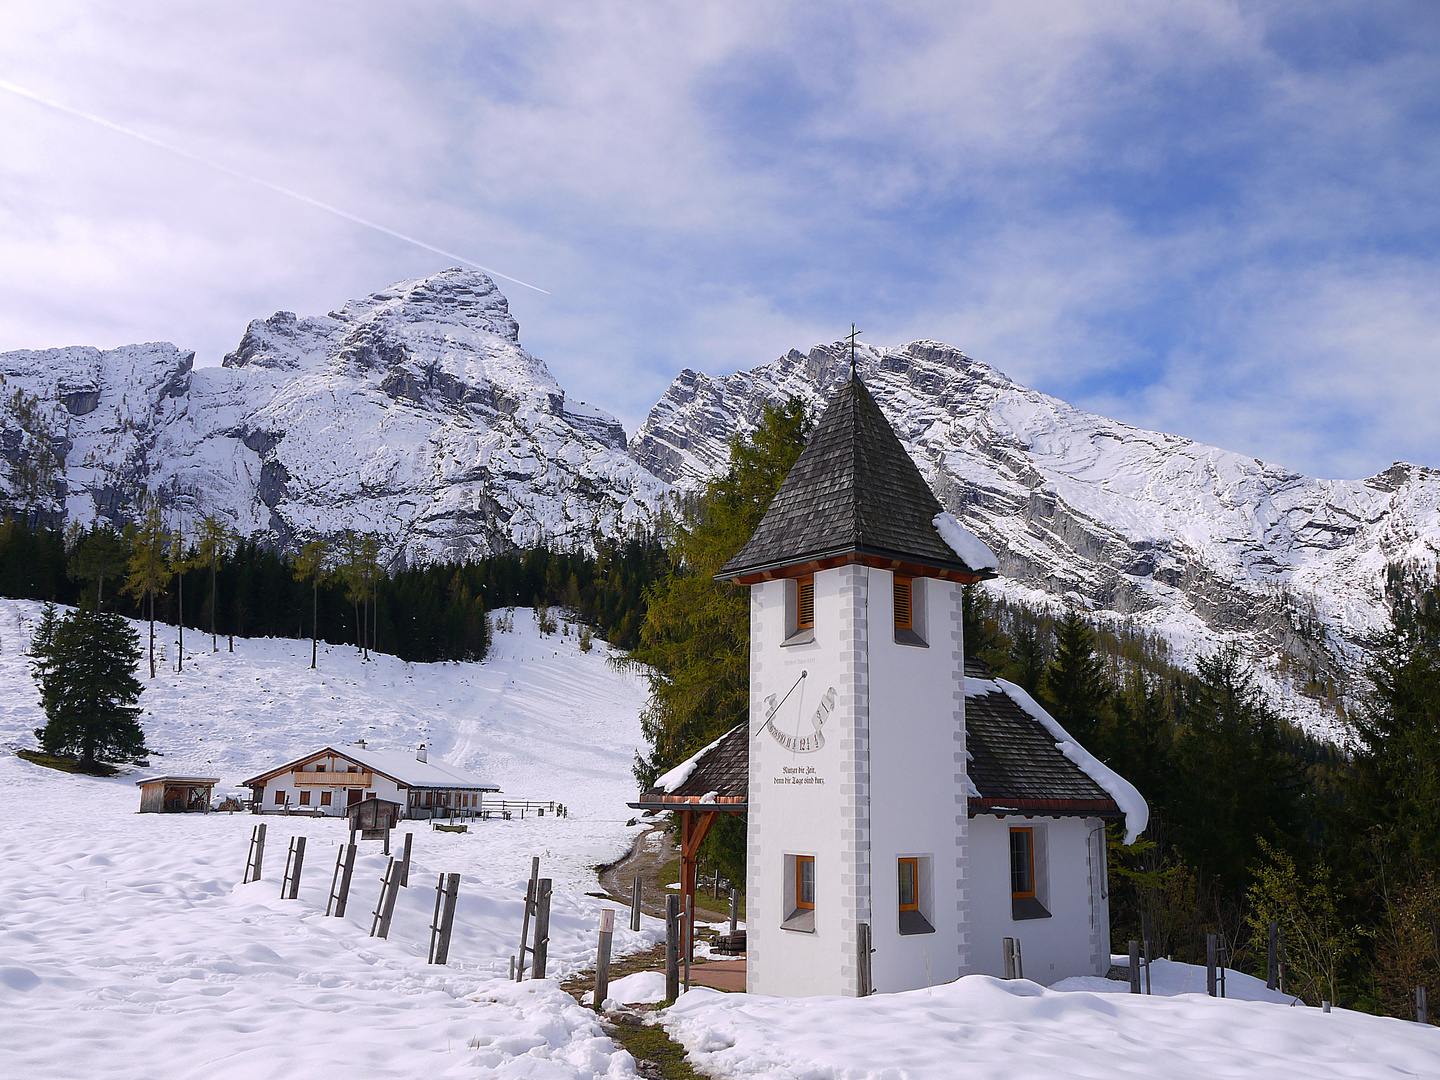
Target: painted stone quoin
{"type": "Point", "coordinates": [897, 798]}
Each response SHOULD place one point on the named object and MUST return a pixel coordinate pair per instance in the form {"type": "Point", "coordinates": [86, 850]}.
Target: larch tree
{"type": "Point", "coordinates": [312, 565]}
{"type": "Point", "coordinates": [213, 542]}
{"type": "Point", "coordinates": [149, 566]}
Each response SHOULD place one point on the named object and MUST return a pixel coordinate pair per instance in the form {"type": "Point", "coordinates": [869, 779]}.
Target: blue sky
{"type": "Point", "coordinates": [1218, 219]}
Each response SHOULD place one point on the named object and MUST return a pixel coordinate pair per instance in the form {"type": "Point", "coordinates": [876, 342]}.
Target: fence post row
{"type": "Point", "coordinates": [602, 958]}
{"type": "Point", "coordinates": [256, 857]}
{"type": "Point", "coordinates": [672, 947]}
{"type": "Point", "coordinates": [447, 891]}
{"type": "Point", "coordinates": [385, 905]}
{"type": "Point", "coordinates": [542, 928]}
{"type": "Point", "coordinates": [344, 871]}
{"type": "Point", "coordinates": [294, 860]}
{"type": "Point", "coordinates": [635, 904]}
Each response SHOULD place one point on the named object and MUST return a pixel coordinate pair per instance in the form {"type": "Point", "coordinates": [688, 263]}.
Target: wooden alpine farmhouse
{"type": "Point", "coordinates": [330, 780]}
{"type": "Point", "coordinates": [906, 811]}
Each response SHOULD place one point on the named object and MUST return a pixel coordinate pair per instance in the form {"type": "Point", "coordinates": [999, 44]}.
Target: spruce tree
{"type": "Point", "coordinates": [88, 689]}
{"type": "Point", "coordinates": [1077, 691]}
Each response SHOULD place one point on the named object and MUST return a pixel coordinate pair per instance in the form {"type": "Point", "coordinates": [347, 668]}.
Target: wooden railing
{"type": "Point", "coordinates": [331, 779]}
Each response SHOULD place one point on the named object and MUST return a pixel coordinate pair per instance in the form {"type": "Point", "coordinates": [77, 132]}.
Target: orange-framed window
{"type": "Point", "coordinates": [909, 884]}
{"type": "Point", "coordinates": [902, 603]}
{"type": "Point", "coordinates": [805, 882]}
{"type": "Point", "coordinates": [325, 797]}
{"type": "Point", "coordinates": [305, 798]}
{"type": "Point", "coordinates": [805, 602]}
{"type": "Point", "coordinates": [1022, 863]}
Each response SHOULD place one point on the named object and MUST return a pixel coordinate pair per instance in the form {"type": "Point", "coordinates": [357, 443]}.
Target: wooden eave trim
{"type": "Point", "coordinates": [905, 567]}
{"type": "Point", "coordinates": [1045, 807]}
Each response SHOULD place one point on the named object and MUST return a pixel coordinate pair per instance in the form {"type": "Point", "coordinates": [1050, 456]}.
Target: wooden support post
{"type": "Point", "coordinates": [734, 911]}
{"type": "Point", "coordinates": [447, 891]}
{"type": "Point", "coordinates": [1282, 960]}
{"type": "Point", "coordinates": [385, 906]}
{"type": "Point", "coordinates": [255, 860]}
{"type": "Point", "coordinates": [635, 903]}
{"type": "Point", "coordinates": [1145, 946]}
{"type": "Point", "coordinates": [1422, 1013]}
{"type": "Point", "coordinates": [344, 871]}
{"type": "Point", "coordinates": [1272, 957]}
{"type": "Point", "coordinates": [294, 860]}
{"type": "Point", "coordinates": [1007, 952]}
{"type": "Point", "coordinates": [542, 927]}
{"type": "Point", "coordinates": [672, 947]}
{"type": "Point", "coordinates": [865, 975]}
{"type": "Point", "coordinates": [405, 861]}
{"type": "Point", "coordinates": [602, 958]}
{"type": "Point", "coordinates": [529, 910]}
{"type": "Point", "coordinates": [1134, 966]}
{"type": "Point", "coordinates": [1212, 947]}
{"type": "Point", "coordinates": [689, 937]}
{"type": "Point", "coordinates": [1019, 960]}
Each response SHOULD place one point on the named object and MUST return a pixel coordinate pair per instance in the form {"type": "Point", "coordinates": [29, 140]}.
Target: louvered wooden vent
{"type": "Point", "coordinates": [805, 605]}
{"type": "Point", "coordinates": [902, 603]}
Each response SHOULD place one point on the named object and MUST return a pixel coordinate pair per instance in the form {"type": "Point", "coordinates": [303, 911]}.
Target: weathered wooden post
{"type": "Point", "coordinates": [1134, 966]}
{"type": "Point", "coordinates": [672, 947]}
{"type": "Point", "coordinates": [529, 910]}
{"type": "Point", "coordinates": [865, 975]}
{"type": "Point", "coordinates": [635, 903]}
{"type": "Point", "coordinates": [542, 927]}
{"type": "Point", "coordinates": [256, 858]}
{"type": "Point", "coordinates": [447, 890]}
{"type": "Point", "coordinates": [294, 860]}
{"type": "Point", "coordinates": [385, 906]}
{"type": "Point", "coordinates": [1019, 960]}
{"type": "Point", "coordinates": [1422, 1014]}
{"type": "Point", "coordinates": [734, 911]}
{"type": "Point", "coordinates": [1007, 952]}
{"type": "Point", "coordinates": [689, 936]}
{"type": "Point", "coordinates": [1272, 957]}
{"type": "Point", "coordinates": [1211, 948]}
{"type": "Point", "coordinates": [1282, 960]}
{"type": "Point", "coordinates": [405, 861]}
{"type": "Point", "coordinates": [1145, 946]}
{"type": "Point", "coordinates": [344, 871]}
{"type": "Point", "coordinates": [602, 958]}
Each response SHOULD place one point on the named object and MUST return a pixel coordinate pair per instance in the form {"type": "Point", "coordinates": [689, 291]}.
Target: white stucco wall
{"type": "Point", "coordinates": [382, 787]}
{"type": "Point", "coordinates": [797, 798]}
{"type": "Point", "coordinates": [1075, 940]}
{"type": "Point", "coordinates": [917, 764]}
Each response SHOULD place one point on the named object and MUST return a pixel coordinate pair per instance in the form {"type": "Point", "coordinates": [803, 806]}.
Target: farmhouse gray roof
{"type": "Point", "coordinates": [853, 491]}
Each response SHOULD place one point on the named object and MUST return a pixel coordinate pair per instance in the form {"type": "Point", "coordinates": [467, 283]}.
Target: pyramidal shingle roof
{"type": "Point", "coordinates": [853, 491]}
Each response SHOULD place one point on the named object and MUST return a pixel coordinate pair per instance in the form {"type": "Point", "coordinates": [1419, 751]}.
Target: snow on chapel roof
{"type": "Point", "coordinates": [853, 491]}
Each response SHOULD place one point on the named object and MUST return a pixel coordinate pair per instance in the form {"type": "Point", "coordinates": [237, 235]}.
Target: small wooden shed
{"type": "Point", "coordinates": [373, 817]}
{"type": "Point", "coordinates": [176, 794]}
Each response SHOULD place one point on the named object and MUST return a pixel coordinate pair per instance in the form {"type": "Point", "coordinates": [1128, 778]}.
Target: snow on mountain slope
{"type": "Point", "coordinates": [413, 415]}
{"type": "Point", "coordinates": [539, 717]}
{"type": "Point", "coordinates": [1200, 543]}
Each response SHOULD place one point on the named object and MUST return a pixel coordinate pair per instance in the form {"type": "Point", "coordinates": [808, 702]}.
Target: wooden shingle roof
{"type": "Point", "coordinates": [853, 491]}
{"type": "Point", "coordinates": [718, 774]}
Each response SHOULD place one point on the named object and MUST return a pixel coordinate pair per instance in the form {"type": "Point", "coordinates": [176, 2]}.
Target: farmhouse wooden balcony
{"type": "Point", "coordinates": [332, 779]}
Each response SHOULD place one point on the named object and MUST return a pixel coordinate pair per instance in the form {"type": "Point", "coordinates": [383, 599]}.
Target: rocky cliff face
{"type": "Point", "coordinates": [413, 415]}
{"type": "Point", "coordinates": [1201, 544]}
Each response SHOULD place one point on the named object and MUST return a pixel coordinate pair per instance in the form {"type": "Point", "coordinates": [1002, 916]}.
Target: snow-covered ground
{"type": "Point", "coordinates": [981, 1028]}
{"type": "Point", "coordinates": [128, 948]}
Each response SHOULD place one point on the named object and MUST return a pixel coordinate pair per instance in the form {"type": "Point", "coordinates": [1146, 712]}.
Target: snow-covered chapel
{"type": "Point", "coordinates": [898, 799]}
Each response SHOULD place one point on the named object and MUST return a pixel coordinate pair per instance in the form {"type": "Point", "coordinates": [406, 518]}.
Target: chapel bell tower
{"type": "Point", "coordinates": [857, 792]}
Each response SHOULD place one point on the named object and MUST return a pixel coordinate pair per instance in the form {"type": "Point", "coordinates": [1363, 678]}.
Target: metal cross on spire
{"type": "Point", "coordinates": [851, 338]}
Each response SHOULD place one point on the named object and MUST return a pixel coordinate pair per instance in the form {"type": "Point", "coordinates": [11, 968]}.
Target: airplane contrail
{"type": "Point", "coordinates": [32, 96]}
